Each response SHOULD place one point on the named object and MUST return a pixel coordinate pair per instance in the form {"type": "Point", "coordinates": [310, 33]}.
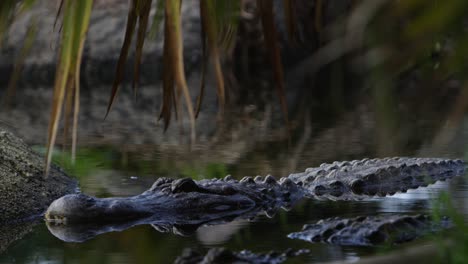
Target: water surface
{"type": "Point", "coordinates": [112, 172]}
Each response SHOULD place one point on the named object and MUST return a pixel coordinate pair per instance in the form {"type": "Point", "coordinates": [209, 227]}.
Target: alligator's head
{"type": "Point", "coordinates": [78, 208]}
{"type": "Point", "coordinates": [167, 199]}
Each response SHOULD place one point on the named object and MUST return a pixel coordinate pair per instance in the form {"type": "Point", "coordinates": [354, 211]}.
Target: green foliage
{"type": "Point", "coordinates": [90, 160]}
{"type": "Point", "coordinates": [87, 161]}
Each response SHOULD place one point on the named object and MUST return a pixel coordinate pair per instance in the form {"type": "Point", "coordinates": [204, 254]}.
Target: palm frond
{"type": "Point", "coordinates": [119, 72]}
{"type": "Point", "coordinates": [173, 54]}
{"type": "Point", "coordinates": [75, 25]}
{"type": "Point", "coordinates": [143, 11]}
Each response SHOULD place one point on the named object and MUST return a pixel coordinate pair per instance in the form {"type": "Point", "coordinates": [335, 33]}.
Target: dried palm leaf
{"type": "Point", "coordinates": [173, 56]}
{"type": "Point", "coordinates": [119, 72]}
{"type": "Point", "coordinates": [143, 10]}
{"type": "Point", "coordinates": [75, 24]}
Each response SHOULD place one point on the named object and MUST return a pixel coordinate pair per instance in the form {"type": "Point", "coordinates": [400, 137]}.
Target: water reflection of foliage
{"type": "Point", "coordinates": [89, 160]}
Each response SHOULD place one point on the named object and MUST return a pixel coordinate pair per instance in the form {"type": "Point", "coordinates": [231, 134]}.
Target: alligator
{"type": "Point", "coordinates": [222, 255]}
{"type": "Point", "coordinates": [370, 230]}
{"type": "Point", "coordinates": [172, 202]}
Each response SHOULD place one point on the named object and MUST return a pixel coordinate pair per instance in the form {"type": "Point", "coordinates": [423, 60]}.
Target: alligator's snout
{"type": "Point", "coordinates": [73, 207]}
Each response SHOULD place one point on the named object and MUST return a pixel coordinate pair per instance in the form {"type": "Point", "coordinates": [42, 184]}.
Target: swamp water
{"type": "Point", "coordinates": [108, 172]}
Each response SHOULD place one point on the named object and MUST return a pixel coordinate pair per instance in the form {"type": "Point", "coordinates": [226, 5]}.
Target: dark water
{"type": "Point", "coordinates": [113, 172]}
{"type": "Point", "coordinates": [143, 244]}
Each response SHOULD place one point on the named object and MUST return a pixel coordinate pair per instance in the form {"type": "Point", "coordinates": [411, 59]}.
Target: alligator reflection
{"type": "Point", "coordinates": [371, 230]}
{"type": "Point", "coordinates": [86, 231]}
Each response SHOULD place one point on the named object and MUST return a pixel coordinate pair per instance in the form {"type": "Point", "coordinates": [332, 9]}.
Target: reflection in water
{"type": "Point", "coordinates": [182, 224]}
{"type": "Point", "coordinates": [219, 234]}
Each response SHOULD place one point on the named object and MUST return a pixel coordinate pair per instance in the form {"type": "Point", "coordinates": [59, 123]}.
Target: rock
{"type": "Point", "coordinates": [24, 190]}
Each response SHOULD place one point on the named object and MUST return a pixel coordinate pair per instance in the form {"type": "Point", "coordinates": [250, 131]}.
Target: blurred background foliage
{"type": "Point", "coordinates": [381, 45]}
{"type": "Point", "coordinates": [311, 61]}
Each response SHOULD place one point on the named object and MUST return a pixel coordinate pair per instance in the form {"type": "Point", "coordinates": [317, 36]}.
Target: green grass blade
{"type": "Point", "coordinates": [61, 77]}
